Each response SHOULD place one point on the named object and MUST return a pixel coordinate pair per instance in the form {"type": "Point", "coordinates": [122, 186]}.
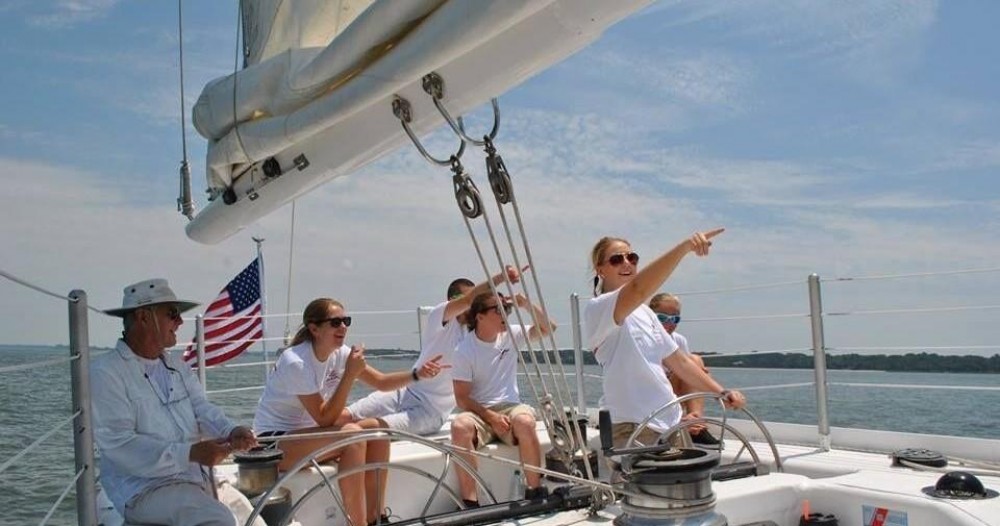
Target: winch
{"type": "Point", "coordinates": [663, 486]}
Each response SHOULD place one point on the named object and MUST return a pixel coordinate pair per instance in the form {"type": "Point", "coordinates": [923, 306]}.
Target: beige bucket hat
{"type": "Point", "coordinates": [148, 293]}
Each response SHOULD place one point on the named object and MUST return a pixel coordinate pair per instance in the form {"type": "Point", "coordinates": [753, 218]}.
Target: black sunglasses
{"type": "Point", "coordinates": [619, 258]}
{"type": "Point", "coordinates": [336, 322]}
{"type": "Point", "coordinates": [506, 308]}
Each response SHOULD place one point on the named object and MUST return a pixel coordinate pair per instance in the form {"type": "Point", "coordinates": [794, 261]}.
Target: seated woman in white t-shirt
{"type": "Point", "coordinates": [631, 345]}
{"type": "Point", "coordinates": [307, 392]}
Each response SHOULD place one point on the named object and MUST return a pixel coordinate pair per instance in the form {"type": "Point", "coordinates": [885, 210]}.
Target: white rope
{"type": "Point", "coordinates": [727, 354]}
{"type": "Point", "coordinates": [741, 289]}
{"type": "Point", "coordinates": [65, 492]}
{"type": "Point", "coordinates": [39, 440]}
{"type": "Point", "coordinates": [775, 386]}
{"type": "Point", "coordinates": [38, 288]}
{"type": "Point", "coordinates": [916, 348]}
{"type": "Point", "coordinates": [33, 365]}
{"type": "Point", "coordinates": [291, 252]}
{"type": "Point", "coordinates": [235, 389]}
{"type": "Point", "coordinates": [760, 317]}
{"type": "Point", "coordinates": [914, 275]}
{"type": "Point", "coordinates": [919, 386]}
{"type": "Point", "coordinates": [900, 311]}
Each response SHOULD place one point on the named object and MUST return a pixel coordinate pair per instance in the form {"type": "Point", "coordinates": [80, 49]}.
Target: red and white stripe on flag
{"type": "Point", "coordinates": [233, 321]}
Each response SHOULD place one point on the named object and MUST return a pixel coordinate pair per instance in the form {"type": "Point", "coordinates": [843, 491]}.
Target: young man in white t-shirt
{"type": "Point", "coordinates": [423, 406]}
{"type": "Point", "coordinates": [485, 385]}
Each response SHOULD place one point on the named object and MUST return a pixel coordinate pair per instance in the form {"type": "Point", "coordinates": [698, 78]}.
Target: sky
{"type": "Point", "coordinates": [845, 139]}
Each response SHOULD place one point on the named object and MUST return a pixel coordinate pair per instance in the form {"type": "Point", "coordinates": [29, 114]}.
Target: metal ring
{"type": "Point", "coordinates": [499, 179]}
{"type": "Point", "coordinates": [434, 86]}
{"type": "Point", "coordinates": [401, 109]}
{"type": "Point", "coordinates": [467, 196]}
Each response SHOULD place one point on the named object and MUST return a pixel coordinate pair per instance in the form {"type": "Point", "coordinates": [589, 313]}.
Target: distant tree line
{"type": "Point", "coordinates": [912, 362]}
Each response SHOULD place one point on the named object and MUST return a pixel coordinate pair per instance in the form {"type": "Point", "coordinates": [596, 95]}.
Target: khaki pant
{"type": "Point", "coordinates": [648, 437]}
{"type": "Point", "coordinates": [484, 432]}
{"type": "Point", "coordinates": [178, 504]}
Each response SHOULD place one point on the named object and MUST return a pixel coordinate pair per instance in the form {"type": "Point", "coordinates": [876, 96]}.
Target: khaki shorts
{"type": "Point", "coordinates": [485, 434]}
{"type": "Point", "coordinates": [648, 437]}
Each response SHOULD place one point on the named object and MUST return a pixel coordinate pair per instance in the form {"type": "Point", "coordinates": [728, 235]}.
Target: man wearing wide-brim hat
{"type": "Point", "coordinates": [156, 430]}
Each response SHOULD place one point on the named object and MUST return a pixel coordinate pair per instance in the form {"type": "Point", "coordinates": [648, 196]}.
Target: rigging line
{"type": "Point", "coordinates": [904, 311]}
{"type": "Point", "coordinates": [33, 365]}
{"type": "Point", "coordinates": [499, 175]}
{"type": "Point", "coordinates": [560, 396]}
{"type": "Point", "coordinates": [236, 66]}
{"type": "Point", "coordinates": [62, 497]}
{"type": "Point", "coordinates": [47, 292]}
{"type": "Point", "coordinates": [915, 348]}
{"type": "Point", "coordinates": [33, 445]}
{"type": "Point", "coordinates": [741, 289]}
{"type": "Point", "coordinates": [758, 317]}
{"type": "Point", "coordinates": [915, 275]}
{"type": "Point", "coordinates": [918, 386]}
{"type": "Point", "coordinates": [180, 53]}
{"type": "Point", "coordinates": [288, 292]}
{"type": "Point", "coordinates": [493, 288]}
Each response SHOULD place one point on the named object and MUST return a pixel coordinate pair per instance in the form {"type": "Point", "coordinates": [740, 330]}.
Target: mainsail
{"type": "Point", "coordinates": [315, 98]}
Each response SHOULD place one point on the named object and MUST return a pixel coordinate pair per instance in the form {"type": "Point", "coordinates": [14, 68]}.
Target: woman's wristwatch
{"type": "Point", "coordinates": [413, 373]}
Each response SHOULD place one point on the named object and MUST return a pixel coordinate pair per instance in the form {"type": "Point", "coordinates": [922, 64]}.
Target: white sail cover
{"type": "Point", "coordinates": [274, 26]}
{"type": "Point", "coordinates": [316, 97]}
{"type": "Point", "coordinates": [286, 75]}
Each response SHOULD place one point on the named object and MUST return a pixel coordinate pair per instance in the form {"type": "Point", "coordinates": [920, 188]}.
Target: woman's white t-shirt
{"type": "Point", "coordinates": [438, 338]}
{"type": "Point", "coordinates": [635, 384]}
{"type": "Point", "coordinates": [491, 367]}
{"type": "Point", "coordinates": [297, 372]}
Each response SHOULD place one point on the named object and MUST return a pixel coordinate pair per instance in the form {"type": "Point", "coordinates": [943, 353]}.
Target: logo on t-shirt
{"type": "Point", "coordinates": [332, 379]}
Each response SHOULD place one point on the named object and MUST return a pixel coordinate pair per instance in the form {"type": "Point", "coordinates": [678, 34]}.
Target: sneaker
{"type": "Point", "coordinates": [538, 493]}
{"type": "Point", "coordinates": [705, 438]}
{"type": "Point", "coordinates": [383, 518]}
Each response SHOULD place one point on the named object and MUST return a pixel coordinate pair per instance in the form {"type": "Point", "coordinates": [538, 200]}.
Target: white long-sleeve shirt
{"type": "Point", "coordinates": [143, 433]}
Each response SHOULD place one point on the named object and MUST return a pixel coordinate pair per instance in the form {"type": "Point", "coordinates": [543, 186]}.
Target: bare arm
{"type": "Point", "coordinates": [327, 412]}
{"type": "Point", "coordinates": [463, 389]}
{"type": "Point", "coordinates": [652, 277]}
{"type": "Point", "coordinates": [459, 305]}
{"type": "Point", "coordinates": [543, 327]}
{"type": "Point", "coordinates": [693, 375]}
{"type": "Point", "coordinates": [386, 381]}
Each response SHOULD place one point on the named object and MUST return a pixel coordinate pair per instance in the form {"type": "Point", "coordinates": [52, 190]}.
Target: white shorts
{"type": "Point", "coordinates": [389, 407]}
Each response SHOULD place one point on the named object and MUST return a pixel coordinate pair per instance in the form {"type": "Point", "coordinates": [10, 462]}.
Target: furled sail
{"type": "Point", "coordinates": [315, 98]}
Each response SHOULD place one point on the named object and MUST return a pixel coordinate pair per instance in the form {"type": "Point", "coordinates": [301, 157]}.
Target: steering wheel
{"type": "Point", "coordinates": [682, 426]}
{"type": "Point", "coordinates": [327, 482]}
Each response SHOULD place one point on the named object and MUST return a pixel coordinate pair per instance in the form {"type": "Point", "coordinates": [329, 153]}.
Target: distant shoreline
{"type": "Point", "coordinates": [906, 363]}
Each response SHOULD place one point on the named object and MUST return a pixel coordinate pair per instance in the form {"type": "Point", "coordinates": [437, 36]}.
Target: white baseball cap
{"type": "Point", "coordinates": [148, 293]}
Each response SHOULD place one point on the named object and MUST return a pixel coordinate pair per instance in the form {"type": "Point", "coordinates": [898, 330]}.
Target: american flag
{"type": "Point", "coordinates": [233, 321]}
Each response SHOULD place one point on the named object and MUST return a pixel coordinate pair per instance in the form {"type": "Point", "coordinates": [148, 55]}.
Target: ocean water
{"type": "Point", "coordinates": [32, 402]}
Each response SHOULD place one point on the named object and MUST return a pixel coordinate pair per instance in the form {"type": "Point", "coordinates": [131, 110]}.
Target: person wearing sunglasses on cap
{"type": "Point", "coordinates": [485, 384]}
{"type": "Point", "coordinates": [630, 343]}
{"type": "Point", "coordinates": [667, 308]}
{"type": "Point", "coordinates": [307, 392]}
{"type": "Point", "coordinates": [157, 433]}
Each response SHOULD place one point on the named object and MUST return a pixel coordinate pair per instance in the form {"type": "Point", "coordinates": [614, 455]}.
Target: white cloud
{"type": "Point", "coordinates": [872, 42]}
{"type": "Point", "coordinates": [67, 13]}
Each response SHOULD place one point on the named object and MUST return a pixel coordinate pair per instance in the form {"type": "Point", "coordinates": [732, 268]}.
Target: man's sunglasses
{"type": "Point", "coordinates": [506, 308]}
{"type": "Point", "coordinates": [668, 318]}
{"type": "Point", "coordinates": [336, 322]}
{"type": "Point", "coordinates": [619, 258]}
{"type": "Point", "coordinates": [173, 313]}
